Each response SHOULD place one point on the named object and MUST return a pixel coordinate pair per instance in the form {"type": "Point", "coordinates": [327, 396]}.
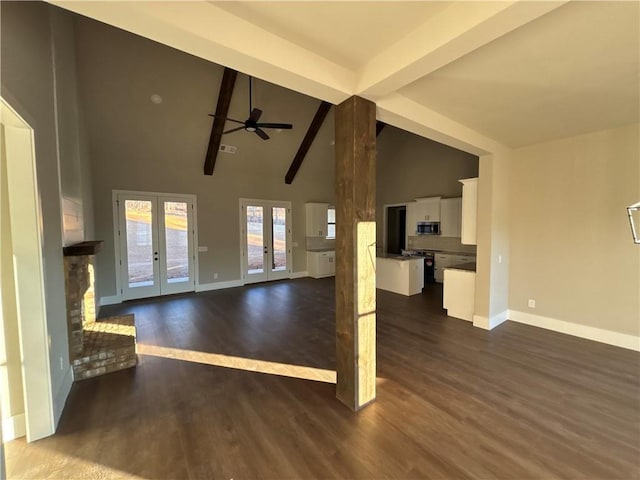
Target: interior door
{"type": "Point", "coordinates": [265, 234]}
{"type": "Point", "coordinates": [156, 238]}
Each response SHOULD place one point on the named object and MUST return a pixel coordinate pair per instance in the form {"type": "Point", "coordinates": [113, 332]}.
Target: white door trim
{"type": "Point", "coordinates": [193, 237]}
{"type": "Point", "coordinates": [243, 202]}
{"type": "Point", "coordinates": [26, 221]}
{"type": "Point", "coordinates": [384, 225]}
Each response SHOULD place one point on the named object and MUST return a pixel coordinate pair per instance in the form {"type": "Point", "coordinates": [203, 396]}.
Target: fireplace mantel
{"type": "Point", "coordinates": [83, 248]}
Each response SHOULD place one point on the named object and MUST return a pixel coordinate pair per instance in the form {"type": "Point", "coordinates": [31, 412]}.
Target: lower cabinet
{"type": "Point", "coordinates": [445, 260]}
{"type": "Point", "coordinates": [321, 264]}
{"type": "Point", "coordinates": [459, 293]}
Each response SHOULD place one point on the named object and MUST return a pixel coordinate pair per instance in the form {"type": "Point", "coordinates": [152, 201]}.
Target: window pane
{"type": "Point", "coordinates": [278, 215]}
{"type": "Point", "coordinates": [176, 240]}
{"type": "Point", "coordinates": [255, 240]}
{"type": "Point", "coordinates": [331, 215]}
{"type": "Point", "coordinates": [331, 231]}
{"type": "Point", "coordinates": [139, 243]}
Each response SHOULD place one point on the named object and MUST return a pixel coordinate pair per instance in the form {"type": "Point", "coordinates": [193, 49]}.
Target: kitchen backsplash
{"type": "Point", "coordinates": [452, 244]}
{"type": "Point", "coordinates": [320, 243]}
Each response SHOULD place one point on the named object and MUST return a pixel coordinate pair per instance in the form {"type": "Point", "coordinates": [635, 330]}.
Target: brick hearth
{"type": "Point", "coordinates": [100, 346]}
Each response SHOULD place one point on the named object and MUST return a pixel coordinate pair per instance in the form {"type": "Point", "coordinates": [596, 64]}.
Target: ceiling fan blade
{"type": "Point", "coordinates": [262, 134]}
{"type": "Point", "coordinates": [255, 114]}
{"type": "Point", "coordinates": [283, 126]}
{"type": "Point", "coordinates": [233, 130]}
{"type": "Point", "coordinates": [225, 118]}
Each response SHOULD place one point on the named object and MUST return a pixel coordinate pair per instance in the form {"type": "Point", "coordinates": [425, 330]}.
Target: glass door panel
{"type": "Point", "coordinates": [177, 258]}
{"type": "Point", "coordinates": [176, 242]}
{"type": "Point", "coordinates": [279, 239]}
{"type": "Point", "coordinates": [139, 246]}
{"type": "Point", "coordinates": [255, 242]}
{"type": "Point", "coordinates": [139, 214]}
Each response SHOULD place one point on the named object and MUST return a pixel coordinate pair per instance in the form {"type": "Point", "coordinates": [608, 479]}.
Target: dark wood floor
{"type": "Point", "coordinates": [453, 401]}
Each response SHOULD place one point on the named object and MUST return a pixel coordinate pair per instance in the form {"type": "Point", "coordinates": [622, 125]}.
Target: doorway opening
{"type": "Point", "coordinates": [265, 233]}
{"type": "Point", "coordinates": [155, 236]}
{"type": "Point", "coordinates": [27, 400]}
{"type": "Point", "coordinates": [396, 228]}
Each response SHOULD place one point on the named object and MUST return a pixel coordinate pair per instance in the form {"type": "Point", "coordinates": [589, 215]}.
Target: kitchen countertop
{"type": "Point", "coordinates": [467, 267]}
{"type": "Point", "coordinates": [448, 252]}
{"type": "Point", "coordinates": [395, 256]}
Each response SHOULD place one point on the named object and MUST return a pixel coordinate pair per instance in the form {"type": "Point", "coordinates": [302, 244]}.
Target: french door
{"type": "Point", "coordinates": [156, 238]}
{"type": "Point", "coordinates": [266, 240]}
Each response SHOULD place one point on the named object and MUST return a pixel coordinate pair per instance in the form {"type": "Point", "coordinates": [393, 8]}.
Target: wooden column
{"type": "Point", "coordinates": [355, 121]}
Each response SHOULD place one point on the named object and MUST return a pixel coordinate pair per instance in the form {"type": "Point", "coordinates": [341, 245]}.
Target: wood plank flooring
{"type": "Point", "coordinates": [453, 401]}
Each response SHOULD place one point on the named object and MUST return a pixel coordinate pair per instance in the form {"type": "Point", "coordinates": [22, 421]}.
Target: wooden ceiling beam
{"type": "Point", "coordinates": [222, 109]}
{"type": "Point", "coordinates": [308, 139]}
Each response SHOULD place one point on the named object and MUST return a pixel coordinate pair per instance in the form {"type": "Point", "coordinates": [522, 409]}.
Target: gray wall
{"type": "Point", "coordinates": [411, 167]}
{"type": "Point", "coordinates": [138, 145]}
{"type": "Point", "coordinates": [38, 67]}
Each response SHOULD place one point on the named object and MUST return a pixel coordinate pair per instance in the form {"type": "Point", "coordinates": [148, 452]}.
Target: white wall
{"type": "Point", "coordinates": [138, 145]}
{"type": "Point", "coordinates": [492, 276]}
{"type": "Point", "coordinates": [570, 239]}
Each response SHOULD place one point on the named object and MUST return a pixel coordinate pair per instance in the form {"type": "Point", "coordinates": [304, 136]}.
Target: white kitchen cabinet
{"type": "Point", "coordinates": [461, 259]}
{"type": "Point", "coordinates": [428, 209]}
{"type": "Point", "coordinates": [321, 264]}
{"type": "Point", "coordinates": [446, 260]}
{"type": "Point", "coordinates": [451, 217]}
{"type": "Point", "coordinates": [459, 293]}
{"type": "Point", "coordinates": [316, 218]}
{"type": "Point", "coordinates": [469, 211]}
{"type": "Point", "coordinates": [442, 260]}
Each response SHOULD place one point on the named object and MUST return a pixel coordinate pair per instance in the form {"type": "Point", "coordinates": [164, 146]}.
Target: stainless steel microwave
{"type": "Point", "coordinates": [428, 228]}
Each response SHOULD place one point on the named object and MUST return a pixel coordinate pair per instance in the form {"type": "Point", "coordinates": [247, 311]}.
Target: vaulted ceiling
{"type": "Point", "coordinates": [478, 76]}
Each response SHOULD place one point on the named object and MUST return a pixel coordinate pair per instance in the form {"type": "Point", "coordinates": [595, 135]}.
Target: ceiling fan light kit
{"type": "Point", "coordinates": [251, 124]}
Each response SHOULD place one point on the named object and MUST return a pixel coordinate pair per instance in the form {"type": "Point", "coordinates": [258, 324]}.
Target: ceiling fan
{"type": "Point", "coordinates": [251, 124]}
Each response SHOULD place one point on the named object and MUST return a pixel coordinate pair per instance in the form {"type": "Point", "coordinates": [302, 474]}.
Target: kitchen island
{"type": "Point", "coordinates": [400, 274]}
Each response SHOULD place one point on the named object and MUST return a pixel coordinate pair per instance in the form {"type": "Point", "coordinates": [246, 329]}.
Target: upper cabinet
{"type": "Point", "coordinates": [316, 218]}
{"type": "Point", "coordinates": [450, 217]}
{"type": "Point", "coordinates": [428, 209]}
{"type": "Point", "coordinates": [469, 210]}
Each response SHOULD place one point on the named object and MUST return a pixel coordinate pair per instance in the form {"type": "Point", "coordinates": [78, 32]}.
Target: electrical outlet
{"type": "Point", "coordinates": [215, 276]}
{"type": "Point", "coordinates": [532, 303]}
{"type": "Point", "coordinates": [61, 364]}
{"type": "Point", "coordinates": [499, 258]}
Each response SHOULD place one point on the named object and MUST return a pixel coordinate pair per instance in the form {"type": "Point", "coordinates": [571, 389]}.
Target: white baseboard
{"type": "Point", "coordinates": [490, 323]}
{"type": "Point", "coordinates": [299, 275]}
{"type": "Point", "coordinates": [205, 287]}
{"type": "Point", "coordinates": [61, 396]}
{"type": "Point", "coordinates": [110, 300]}
{"type": "Point", "coordinates": [14, 427]}
{"type": "Point", "coordinates": [583, 331]}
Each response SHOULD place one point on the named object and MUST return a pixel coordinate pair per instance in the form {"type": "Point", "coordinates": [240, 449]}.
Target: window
{"type": "Point", "coordinates": [331, 222]}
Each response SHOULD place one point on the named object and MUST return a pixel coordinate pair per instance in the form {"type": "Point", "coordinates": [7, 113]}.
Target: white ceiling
{"type": "Point", "coordinates": [479, 76]}
{"type": "Point", "coordinates": [335, 30]}
{"type": "Point", "coordinates": [574, 70]}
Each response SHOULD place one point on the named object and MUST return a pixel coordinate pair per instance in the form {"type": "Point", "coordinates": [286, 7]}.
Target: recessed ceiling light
{"type": "Point", "coordinates": [157, 99]}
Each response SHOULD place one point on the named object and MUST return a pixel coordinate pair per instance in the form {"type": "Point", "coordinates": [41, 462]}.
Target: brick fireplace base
{"type": "Point", "coordinates": [109, 345]}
